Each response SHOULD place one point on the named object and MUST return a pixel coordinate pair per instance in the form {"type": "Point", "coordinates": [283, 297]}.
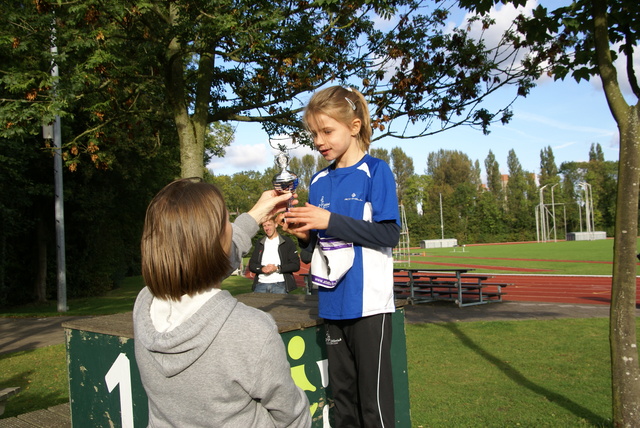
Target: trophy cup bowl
{"type": "Point", "coordinates": [285, 181]}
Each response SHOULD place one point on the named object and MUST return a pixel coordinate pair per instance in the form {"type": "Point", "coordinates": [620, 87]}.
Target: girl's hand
{"type": "Point", "coordinates": [301, 220]}
{"type": "Point", "coordinates": [293, 229]}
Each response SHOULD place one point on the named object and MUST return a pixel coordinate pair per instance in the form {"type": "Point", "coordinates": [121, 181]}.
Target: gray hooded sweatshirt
{"type": "Point", "coordinates": [225, 366]}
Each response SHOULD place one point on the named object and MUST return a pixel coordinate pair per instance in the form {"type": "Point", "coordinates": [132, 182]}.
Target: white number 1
{"type": "Point", "coordinates": [120, 374]}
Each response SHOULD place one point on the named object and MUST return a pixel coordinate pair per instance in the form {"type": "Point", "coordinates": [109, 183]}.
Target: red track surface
{"type": "Point", "coordinates": [560, 289]}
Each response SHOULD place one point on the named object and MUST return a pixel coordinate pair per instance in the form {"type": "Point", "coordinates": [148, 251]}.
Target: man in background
{"type": "Point", "coordinates": [274, 260]}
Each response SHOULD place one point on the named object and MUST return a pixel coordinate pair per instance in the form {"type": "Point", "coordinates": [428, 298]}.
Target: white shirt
{"type": "Point", "coordinates": [271, 256]}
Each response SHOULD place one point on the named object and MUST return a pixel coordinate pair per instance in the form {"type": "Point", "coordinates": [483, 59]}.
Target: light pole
{"type": "Point", "coordinates": [553, 213]}
{"type": "Point", "coordinates": [542, 216]}
{"type": "Point", "coordinates": [54, 132]}
{"type": "Point", "coordinates": [441, 219]}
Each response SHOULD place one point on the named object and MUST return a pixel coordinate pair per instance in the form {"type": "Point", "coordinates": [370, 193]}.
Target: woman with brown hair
{"type": "Point", "coordinates": [204, 358]}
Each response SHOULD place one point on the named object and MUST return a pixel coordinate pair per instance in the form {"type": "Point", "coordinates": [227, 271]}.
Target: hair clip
{"type": "Point", "coordinates": [351, 103]}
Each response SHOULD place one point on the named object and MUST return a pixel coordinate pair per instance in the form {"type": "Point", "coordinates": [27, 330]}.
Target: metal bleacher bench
{"type": "Point", "coordinates": [5, 393]}
{"type": "Point", "coordinates": [456, 285]}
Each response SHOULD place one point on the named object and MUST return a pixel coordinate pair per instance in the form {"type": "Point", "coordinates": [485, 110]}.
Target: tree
{"type": "Point", "coordinates": [602, 176]}
{"type": "Point", "coordinates": [519, 205]}
{"type": "Point", "coordinates": [307, 169]}
{"type": "Point", "coordinates": [201, 63]}
{"type": "Point", "coordinates": [494, 177]}
{"type": "Point", "coordinates": [595, 153]}
{"type": "Point", "coordinates": [453, 178]}
{"type": "Point", "coordinates": [449, 167]}
{"type": "Point", "coordinates": [584, 40]}
{"type": "Point", "coordinates": [548, 168]}
{"type": "Point", "coordinates": [242, 189]}
{"type": "Point", "coordinates": [415, 193]}
{"type": "Point", "coordinates": [402, 170]}
{"type": "Point", "coordinates": [321, 162]}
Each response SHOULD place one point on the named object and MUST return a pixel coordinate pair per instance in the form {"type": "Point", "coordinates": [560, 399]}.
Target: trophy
{"type": "Point", "coordinates": [285, 181]}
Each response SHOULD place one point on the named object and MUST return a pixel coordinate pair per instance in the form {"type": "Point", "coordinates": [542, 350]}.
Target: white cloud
{"type": "Point", "coordinates": [241, 157]}
{"type": "Point", "coordinates": [553, 123]}
{"type": "Point", "coordinates": [565, 145]}
{"type": "Point", "coordinates": [255, 157]}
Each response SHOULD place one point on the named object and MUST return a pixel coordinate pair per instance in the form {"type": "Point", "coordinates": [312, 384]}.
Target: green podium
{"type": "Point", "coordinates": [104, 382]}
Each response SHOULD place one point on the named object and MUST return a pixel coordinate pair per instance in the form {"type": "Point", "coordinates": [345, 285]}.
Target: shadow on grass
{"type": "Point", "coordinates": [521, 380]}
{"type": "Point", "coordinates": [26, 400]}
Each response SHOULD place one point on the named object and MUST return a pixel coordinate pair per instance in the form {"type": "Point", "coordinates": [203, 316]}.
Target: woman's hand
{"type": "Point", "coordinates": [270, 202]}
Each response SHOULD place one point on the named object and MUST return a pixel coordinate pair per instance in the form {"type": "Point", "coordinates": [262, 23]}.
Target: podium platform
{"type": "Point", "coordinates": [104, 382]}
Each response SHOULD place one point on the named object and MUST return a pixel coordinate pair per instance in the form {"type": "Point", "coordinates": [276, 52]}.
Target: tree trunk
{"type": "Point", "coordinates": [191, 147]}
{"type": "Point", "coordinates": [40, 284]}
{"type": "Point", "coordinates": [625, 369]}
{"type": "Point", "coordinates": [191, 127]}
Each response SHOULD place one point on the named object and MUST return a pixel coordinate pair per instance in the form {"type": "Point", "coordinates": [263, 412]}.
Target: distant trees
{"type": "Point", "coordinates": [502, 210]}
{"type": "Point", "coordinates": [602, 176]}
{"type": "Point", "coordinates": [548, 167]}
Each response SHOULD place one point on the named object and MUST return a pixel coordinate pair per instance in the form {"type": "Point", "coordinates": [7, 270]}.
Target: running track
{"type": "Point", "coordinates": [547, 288]}
{"type": "Point", "coordinates": [560, 289]}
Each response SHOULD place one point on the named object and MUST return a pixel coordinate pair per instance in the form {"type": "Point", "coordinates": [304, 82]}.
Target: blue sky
{"type": "Point", "coordinates": [564, 115]}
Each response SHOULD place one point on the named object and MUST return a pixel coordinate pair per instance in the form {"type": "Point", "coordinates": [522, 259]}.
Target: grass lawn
{"type": "Point", "coordinates": [479, 374]}
{"type": "Point", "coordinates": [507, 374]}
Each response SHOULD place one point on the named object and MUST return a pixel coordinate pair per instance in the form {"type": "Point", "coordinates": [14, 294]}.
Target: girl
{"type": "Point", "coordinates": [352, 224]}
{"type": "Point", "coordinates": [204, 358]}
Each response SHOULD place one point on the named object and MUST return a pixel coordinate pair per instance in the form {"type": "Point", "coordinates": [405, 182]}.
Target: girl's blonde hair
{"type": "Point", "coordinates": [182, 245]}
{"type": "Point", "coordinates": [343, 105]}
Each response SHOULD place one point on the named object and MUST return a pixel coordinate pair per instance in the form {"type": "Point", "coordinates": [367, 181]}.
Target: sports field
{"type": "Point", "coordinates": [562, 272]}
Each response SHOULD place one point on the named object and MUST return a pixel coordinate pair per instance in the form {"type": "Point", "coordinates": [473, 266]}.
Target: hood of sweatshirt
{"type": "Point", "coordinates": [176, 350]}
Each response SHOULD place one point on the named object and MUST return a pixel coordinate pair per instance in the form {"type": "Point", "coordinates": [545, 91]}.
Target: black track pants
{"type": "Point", "coordinates": [360, 378]}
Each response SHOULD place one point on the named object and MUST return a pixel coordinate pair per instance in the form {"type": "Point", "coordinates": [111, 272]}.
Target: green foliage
{"type": "Point", "coordinates": [219, 137]}
{"type": "Point", "coordinates": [197, 64]}
{"type": "Point", "coordinates": [602, 176]}
{"type": "Point", "coordinates": [548, 167]}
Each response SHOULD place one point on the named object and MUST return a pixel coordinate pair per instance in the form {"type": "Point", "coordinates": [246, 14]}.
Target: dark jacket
{"type": "Point", "coordinates": [289, 261]}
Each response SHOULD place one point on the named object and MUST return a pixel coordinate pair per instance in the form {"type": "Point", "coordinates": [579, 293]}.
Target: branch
{"type": "Point", "coordinates": [628, 51]}
{"type": "Point", "coordinates": [608, 73]}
